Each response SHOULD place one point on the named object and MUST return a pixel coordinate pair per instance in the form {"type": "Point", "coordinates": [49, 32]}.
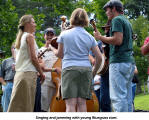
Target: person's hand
{"type": "Point", "coordinates": [97, 35]}
{"type": "Point", "coordinates": [3, 86]}
{"type": "Point", "coordinates": [49, 48]}
{"type": "Point", "coordinates": [13, 66]}
{"type": "Point", "coordinates": [42, 78]}
{"type": "Point", "coordinates": [58, 70]}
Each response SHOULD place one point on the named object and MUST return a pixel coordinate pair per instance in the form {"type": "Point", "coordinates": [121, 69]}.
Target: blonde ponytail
{"type": "Point", "coordinates": [18, 39]}
{"type": "Point", "coordinates": [24, 19]}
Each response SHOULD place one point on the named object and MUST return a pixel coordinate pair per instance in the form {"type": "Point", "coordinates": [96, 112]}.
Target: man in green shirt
{"type": "Point", "coordinates": [121, 69]}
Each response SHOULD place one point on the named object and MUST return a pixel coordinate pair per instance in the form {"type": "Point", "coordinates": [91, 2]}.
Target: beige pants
{"type": "Point", "coordinates": [47, 93]}
{"type": "Point", "coordinates": [23, 93]}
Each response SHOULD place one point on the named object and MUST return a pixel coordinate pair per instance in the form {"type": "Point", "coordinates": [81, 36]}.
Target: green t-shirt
{"type": "Point", "coordinates": [122, 53]}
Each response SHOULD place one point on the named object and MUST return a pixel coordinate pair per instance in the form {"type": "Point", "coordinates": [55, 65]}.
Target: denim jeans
{"type": "Point", "coordinates": [37, 107]}
{"type": "Point", "coordinates": [97, 92]}
{"type": "Point", "coordinates": [105, 102]}
{"type": "Point", "coordinates": [120, 77]}
{"type": "Point", "coordinates": [7, 90]}
{"type": "Point", "coordinates": [133, 93]}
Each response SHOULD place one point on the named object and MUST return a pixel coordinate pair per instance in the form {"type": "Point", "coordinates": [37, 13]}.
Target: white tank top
{"type": "Point", "coordinates": [23, 60]}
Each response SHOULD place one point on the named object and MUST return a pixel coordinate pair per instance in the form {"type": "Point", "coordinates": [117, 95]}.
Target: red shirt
{"type": "Point", "coordinates": [145, 42]}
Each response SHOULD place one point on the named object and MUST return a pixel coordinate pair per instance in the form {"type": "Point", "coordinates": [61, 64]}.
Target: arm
{"type": "Point", "coordinates": [98, 59]}
{"type": "Point", "coordinates": [92, 60]}
{"type": "Point", "coordinates": [42, 64]}
{"type": "Point", "coordinates": [97, 83]}
{"type": "Point", "coordinates": [57, 70]}
{"type": "Point", "coordinates": [34, 59]}
{"type": "Point", "coordinates": [116, 39]}
{"type": "Point", "coordinates": [145, 49]}
{"type": "Point", "coordinates": [2, 81]}
{"type": "Point", "coordinates": [2, 73]}
{"type": "Point", "coordinates": [136, 70]}
{"type": "Point", "coordinates": [59, 52]}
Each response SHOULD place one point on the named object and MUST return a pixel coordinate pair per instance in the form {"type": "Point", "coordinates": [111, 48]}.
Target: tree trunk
{"type": "Point", "coordinates": [144, 88]}
{"type": "Point", "coordinates": [138, 88]}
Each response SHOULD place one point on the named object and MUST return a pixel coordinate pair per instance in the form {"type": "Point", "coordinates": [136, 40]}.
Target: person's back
{"type": "Point", "coordinates": [77, 44]}
{"type": "Point", "coordinates": [73, 47]}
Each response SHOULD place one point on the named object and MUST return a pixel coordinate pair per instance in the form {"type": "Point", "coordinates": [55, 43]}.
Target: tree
{"type": "Point", "coordinates": [141, 61]}
{"type": "Point", "coordinates": [8, 21]}
{"type": "Point", "coordinates": [135, 8]}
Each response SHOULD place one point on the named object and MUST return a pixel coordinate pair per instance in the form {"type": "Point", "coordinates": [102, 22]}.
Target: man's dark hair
{"type": "Point", "coordinates": [114, 3]}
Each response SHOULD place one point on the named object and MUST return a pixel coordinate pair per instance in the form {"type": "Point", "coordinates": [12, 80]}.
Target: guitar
{"type": "Point", "coordinates": [105, 58]}
{"type": "Point", "coordinates": [41, 53]}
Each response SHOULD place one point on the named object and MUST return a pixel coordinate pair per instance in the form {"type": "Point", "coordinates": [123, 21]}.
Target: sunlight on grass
{"type": "Point", "coordinates": [142, 102]}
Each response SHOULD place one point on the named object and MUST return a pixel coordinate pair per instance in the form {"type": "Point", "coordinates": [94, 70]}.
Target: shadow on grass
{"type": "Point", "coordinates": [141, 111]}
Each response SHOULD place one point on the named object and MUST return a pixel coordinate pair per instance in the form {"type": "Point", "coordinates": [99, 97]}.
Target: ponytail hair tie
{"type": "Point", "coordinates": [21, 27]}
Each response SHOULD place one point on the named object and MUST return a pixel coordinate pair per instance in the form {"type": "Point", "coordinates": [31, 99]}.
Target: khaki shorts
{"type": "Point", "coordinates": [76, 82]}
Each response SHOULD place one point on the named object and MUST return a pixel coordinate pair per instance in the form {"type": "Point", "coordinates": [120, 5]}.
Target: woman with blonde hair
{"type": "Point", "coordinates": [74, 46]}
{"type": "Point", "coordinates": [27, 65]}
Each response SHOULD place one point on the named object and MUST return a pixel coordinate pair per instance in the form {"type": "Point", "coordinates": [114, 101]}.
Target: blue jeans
{"type": "Point", "coordinates": [105, 102]}
{"type": "Point", "coordinates": [97, 92]}
{"type": "Point", "coordinates": [7, 90]}
{"type": "Point", "coordinates": [133, 93]}
{"type": "Point", "coordinates": [120, 77]}
{"type": "Point", "coordinates": [37, 107]}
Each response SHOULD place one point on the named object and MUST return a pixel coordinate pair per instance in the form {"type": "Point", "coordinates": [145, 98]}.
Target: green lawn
{"type": "Point", "coordinates": [142, 102]}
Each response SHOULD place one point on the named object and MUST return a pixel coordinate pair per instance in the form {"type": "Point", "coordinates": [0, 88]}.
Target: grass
{"type": "Point", "coordinates": [142, 102]}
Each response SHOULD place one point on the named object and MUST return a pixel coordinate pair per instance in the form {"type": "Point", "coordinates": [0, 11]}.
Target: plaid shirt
{"type": "Point", "coordinates": [6, 71]}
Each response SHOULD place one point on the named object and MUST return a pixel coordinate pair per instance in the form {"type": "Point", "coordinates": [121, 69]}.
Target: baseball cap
{"type": "Point", "coordinates": [49, 30]}
{"type": "Point", "coordinates": [113, 3]}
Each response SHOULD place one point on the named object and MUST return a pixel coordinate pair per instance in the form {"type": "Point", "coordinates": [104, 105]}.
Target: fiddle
{"type": "Point", "coordinates": [54, 43]}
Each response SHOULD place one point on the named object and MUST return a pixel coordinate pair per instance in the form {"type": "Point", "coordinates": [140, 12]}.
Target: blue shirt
{"type": "Point", "coordinates": [77, 43]}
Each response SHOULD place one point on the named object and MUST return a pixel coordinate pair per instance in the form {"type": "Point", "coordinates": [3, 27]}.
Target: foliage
{"type": "Point", "coordinates": [136, 8]}
{"type": "Point", "coordinates": [8, 23]}
{"type": "Point", "coordinates": [142, 32]}
{"type": "Point", "coordinates": [47, 14]}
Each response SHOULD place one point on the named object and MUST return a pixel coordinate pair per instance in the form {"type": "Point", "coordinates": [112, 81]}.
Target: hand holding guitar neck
{"type": "Point", "coordinates": [97, 34]}
{"type": "Point", "coordinates": [92, 22]}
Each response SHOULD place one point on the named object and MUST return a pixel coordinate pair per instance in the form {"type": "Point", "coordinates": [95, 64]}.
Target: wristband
{"type": "Point", "coordinates": [53, 70]}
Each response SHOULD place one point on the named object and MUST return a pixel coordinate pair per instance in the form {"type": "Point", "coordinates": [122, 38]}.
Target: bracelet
{"type": "Point", "coordinates": [53, 70]}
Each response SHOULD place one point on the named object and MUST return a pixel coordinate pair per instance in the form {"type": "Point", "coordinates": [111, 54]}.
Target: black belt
{"type": "Point", "coordinates": [9, 80]}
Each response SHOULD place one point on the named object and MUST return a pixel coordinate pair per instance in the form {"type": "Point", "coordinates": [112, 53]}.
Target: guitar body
{"type": "Point", "coordinates": [105, 60]}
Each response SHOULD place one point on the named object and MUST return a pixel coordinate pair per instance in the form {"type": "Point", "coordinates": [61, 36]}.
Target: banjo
{"type": "Point", "coordinates": [105, 61]}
